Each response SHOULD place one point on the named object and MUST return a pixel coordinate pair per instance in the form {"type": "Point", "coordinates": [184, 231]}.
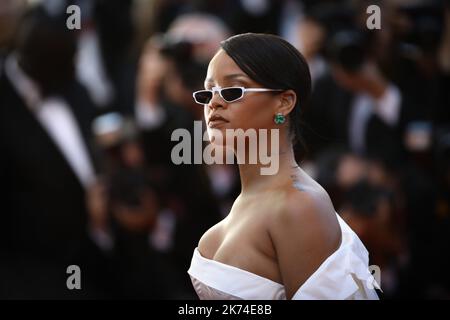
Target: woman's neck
{"type": "Point", "coordinates": [253, 181]}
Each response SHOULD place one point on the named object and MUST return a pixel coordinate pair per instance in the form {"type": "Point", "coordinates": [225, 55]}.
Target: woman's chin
{"type": "Point", "coordinates": [217, 136]}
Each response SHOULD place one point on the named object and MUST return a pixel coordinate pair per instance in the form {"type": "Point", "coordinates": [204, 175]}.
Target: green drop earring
{"type": "Point", "coordinates": [279, 118]}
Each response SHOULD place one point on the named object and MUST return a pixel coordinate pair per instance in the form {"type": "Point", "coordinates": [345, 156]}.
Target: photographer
{"type": "Point", "coordinates": [129, 217]}
{"type": "Point", "coordinates": [356, 106]}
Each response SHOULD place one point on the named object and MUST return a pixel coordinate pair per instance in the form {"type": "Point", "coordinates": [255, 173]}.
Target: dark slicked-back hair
{"type": "Point", "coordinates": [274, 63]}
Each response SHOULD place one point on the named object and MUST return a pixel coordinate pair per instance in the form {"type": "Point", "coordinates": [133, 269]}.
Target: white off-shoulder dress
{"type": "Point", "coordinates": [344, 275]}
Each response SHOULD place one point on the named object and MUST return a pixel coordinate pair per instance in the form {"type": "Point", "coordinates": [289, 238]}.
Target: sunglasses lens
{"type": "Point", "coordinates": [203, 97]}
{"type": "Point", "coordinates": [231, 94]}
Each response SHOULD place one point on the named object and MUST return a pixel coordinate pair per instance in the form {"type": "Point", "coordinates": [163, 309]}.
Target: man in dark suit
{"type": "Point", "coordinates": [355, 106]}
{"type": "Point", "coordinates": [46, 165]}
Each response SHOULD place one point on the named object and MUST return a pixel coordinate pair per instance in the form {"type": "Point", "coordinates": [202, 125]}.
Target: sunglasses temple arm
{"type": "Point", "coordinates": [260, 90]}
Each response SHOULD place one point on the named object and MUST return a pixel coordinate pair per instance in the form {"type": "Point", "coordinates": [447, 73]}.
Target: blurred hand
{"type": "Point", "coordinates": [97, 205]}
{"type": "Point", "coordinates": [351, 169]}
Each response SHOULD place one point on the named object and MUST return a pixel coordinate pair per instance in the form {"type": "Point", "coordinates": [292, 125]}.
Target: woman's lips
{"type": "Point", "coordinates": [216, 120]}
{"type": "Point", "coordinates": [216, 123]}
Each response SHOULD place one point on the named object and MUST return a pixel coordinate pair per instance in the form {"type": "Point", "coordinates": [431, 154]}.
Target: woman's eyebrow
{"type": "Point", "coordinates": [229, 77]}
{"type": "Point", "coordinates": [235, 75]}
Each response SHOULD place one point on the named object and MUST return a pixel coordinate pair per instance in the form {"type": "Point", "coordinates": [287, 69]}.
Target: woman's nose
{"type": "Point", "coordinates": [216, 101]}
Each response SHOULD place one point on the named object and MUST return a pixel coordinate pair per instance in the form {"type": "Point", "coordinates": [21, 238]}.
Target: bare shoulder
{"type": "Point", "coordinates": [304, 231]}
{"type": "Point", "coordinates": [308, 208]}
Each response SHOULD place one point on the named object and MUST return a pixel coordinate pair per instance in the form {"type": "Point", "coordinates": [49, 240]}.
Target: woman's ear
{"type": "Point", "coordinates": [288, 100]}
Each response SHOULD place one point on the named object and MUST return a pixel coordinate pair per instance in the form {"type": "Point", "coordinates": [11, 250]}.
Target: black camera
{"type": "Point", "coordinates": [347, 49]}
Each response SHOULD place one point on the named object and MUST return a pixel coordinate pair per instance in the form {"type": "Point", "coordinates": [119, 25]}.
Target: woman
{"type": "Point", "coordinates": [282, 238]}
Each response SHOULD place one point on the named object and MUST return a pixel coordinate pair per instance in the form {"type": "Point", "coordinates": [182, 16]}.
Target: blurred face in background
{"type": "Point", "coordinates": [203, 31]}
{"type": "Point", "coordinates": [10, 13]}
{"type": "Point", "coordinates": [311, 36]}
{"type": "Point", "coordinates": [46, 51]}
{"type": "Point", "coordinates": [152, 68]}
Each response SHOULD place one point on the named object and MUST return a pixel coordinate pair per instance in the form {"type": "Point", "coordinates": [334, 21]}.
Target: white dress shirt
{"type": "Point", "coordinates": [90, 70]}
{"type": "Point", "coordinates": [56, 117]}
{"type": "Point", "coordinates": [387, 108]}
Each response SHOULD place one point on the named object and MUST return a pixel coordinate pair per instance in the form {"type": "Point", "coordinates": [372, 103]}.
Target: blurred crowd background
{"type": "Point", "coordinates": [86, 117]}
